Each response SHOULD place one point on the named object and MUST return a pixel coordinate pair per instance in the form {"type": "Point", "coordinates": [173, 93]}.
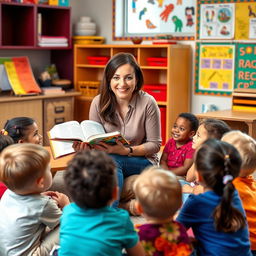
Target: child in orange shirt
{"type": "Point", "coordinates": [245, 183]}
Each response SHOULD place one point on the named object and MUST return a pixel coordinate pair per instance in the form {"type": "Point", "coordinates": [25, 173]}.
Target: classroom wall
{"type": "Point", "coordinates": [101, 13]}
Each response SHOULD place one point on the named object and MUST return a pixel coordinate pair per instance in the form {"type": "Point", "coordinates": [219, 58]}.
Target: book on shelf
{"type": "Point", "coordinates": [63, 135]}
{"type": "Point", "coordinates": [53, 44]}
{"type": "Point", "coordinates": [20, 76]}
{"type": "Point", "coordinates": [53, 39]}
{"type": "Point", "coordinates": [52, 90]}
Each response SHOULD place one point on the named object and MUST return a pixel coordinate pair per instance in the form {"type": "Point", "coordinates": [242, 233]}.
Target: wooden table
{"type": "Point", "coordinates": [58, 164]}
{"type": "Point", "coordinates": [237, 120]}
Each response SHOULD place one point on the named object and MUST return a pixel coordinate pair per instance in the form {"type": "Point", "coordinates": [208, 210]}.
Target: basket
{"type": "Point", "coordinates": [89, 88]}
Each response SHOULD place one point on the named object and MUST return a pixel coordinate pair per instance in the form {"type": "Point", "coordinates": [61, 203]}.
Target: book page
{"type": "Point", "coordinates": [68, 130]}
{"type": "Point", "coordinates": [60, 148]}
{"type": "Point", "coordinates": [90, 128]}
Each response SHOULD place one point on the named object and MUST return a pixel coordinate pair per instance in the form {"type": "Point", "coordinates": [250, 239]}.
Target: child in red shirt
{"type": "Point", "coordinates": [5, 141]}
{"type": "Point", "coordinates": [178, 152]}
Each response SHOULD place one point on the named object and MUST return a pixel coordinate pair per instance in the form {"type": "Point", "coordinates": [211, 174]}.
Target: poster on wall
{"type": "Point", "coordinates": [245, 27]}
{"type": "Point", "coordinates": [217, 21]}
{"type": "Point", "coordinates": [215, 69]}
{"type": "Point", "coordinates": [147, 17]}
{"type": "Point", "coordinates": [245, 75]}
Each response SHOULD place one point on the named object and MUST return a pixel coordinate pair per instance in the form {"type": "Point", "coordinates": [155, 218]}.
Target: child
{"type": "Point", "coordinates": [208, 129]}
{"type": "Point", "coordinates": [178, 153]}
{"type": "Point", "coordinates": [5, 141]}
{"type": "Point", "coordinates": [216, 216]}
{"type": "Point", "coordinates": [90, 226]}
{"type": "Point", "coordinates": [25, 212]}
{"type": "Point", "coordinates": [245, 184]}
{"type": "Point", "coordinates": [23, 129]}
{"type": "Point", "coordinates": [158, 195]}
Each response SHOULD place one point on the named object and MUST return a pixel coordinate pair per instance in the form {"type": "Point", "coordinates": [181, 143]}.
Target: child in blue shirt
{"type": "Point", "coordinates": [89, 225]}
{"type": "Point", "coordinates": [216, 216]}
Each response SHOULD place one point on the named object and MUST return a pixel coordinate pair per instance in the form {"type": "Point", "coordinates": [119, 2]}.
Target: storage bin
{"type": "Point", "coordinates": [157, 61]}
{"type": "Point", "coordinates": [63, 2]}
{"type": "Point", "coordinates": [163, 124]}
{"type": "Point", "coordinates": [88, 39]}
{"type": "Point", "coordinates": [97, 60]}
{"type": "Point", "coordinates": [89, 88]}
{"type": "Point", "coordinates": [158, 91]}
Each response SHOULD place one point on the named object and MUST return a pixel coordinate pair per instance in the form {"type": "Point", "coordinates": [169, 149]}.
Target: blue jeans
{"type": "Point", "coordinates": [127, 166]}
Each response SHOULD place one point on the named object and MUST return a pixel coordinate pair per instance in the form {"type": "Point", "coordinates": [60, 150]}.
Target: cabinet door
{"type": "Point", "coordinates": [28, 108]}
{"type": "Point", "coordinates": [55, 112]}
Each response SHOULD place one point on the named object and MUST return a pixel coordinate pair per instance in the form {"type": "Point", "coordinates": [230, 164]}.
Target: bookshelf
{"type": "Point", "coordinates": [175, 75]}
{"type": "Point", "coordinates": [19, 31]}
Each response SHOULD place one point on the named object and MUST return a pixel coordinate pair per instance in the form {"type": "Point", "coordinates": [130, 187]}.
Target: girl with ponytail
{"type": "Point", "coordinates": [216, 216]}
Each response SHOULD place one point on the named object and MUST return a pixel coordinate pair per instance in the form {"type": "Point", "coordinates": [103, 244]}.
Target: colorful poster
{"type": "Point", "coordinates": [245, 21]}
{"type": "Point", "coordinates": [215, 69]}
{"type": "Point", "coordinates": [145, 17]}
{"type": "Point", "coordinates": [245, 76]}
{"type": "Point", "coordinates": [217, 21]}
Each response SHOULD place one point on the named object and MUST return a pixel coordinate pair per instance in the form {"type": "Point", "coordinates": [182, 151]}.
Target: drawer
{"type": "Point", "coordinates": [55, 112]}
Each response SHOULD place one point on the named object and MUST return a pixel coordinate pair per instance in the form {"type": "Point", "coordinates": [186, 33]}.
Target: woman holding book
{"type": "Point", "coordinates": [122, 106]}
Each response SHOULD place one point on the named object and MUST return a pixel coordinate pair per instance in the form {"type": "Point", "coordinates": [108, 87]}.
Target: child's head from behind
{"type": "Point", "coordinates": [158, 192]}
{"type": "Point", "coordinates": [218, 163]}
{"type": "Point", "coordinates": [24, 168]}
{"type": "Point", "coordinates": [246, 146]}
{"type": "Point", "coordinates": [184, 127]}
{"type": "Point", "coordinates": [91, 179]}
{"type": "Point", "coordinates": [5, 141]}
{"type": "Point", "coordinates": [209, 129]}
{"type": "Point", "coordinates": [23, 130]}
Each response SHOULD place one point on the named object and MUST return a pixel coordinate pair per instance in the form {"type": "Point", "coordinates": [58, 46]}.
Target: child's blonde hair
{"type": "Point", "coordinates": [159, 192]}
{"type": "Point", "coordinates": [21, 164]}
{"type": "Point", "coordinates": [246, 147]}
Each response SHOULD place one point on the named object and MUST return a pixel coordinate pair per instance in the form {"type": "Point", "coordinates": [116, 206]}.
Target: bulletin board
{"type": "Point", "coordinates": [226, 19]}
{"type": "Point", "coordinates": [147, 18]}
{"type": "Point", "coordinates": [245, 74]}
{"type": "Point", "coordinates": [215, 67]}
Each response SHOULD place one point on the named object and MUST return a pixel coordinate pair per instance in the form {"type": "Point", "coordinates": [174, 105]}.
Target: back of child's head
{"type": "Point", "coordinates": [158, 192]}
{"type": "Point", "coordinates": [194, 123]}
{"type": "Point", "coordinates": [17, 127]}
{"type": "Point", "coordinates": [91, 179]}
{"type": "Point", "coordinates": [22, 164]}
{"type": "Point", "coordinates": [218, 163]}
{"type": "Point", "coordinates": [5, 141]}
{"type": "Point", "coordinates": [246, 146]}
{"type": "Point", "coordinates": [215, 128]}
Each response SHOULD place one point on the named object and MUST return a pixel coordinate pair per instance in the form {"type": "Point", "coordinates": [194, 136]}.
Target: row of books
{"type": "Point", "coordinates": [51, 41]}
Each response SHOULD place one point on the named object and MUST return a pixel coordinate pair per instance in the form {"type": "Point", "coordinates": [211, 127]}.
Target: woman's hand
{"type": "Point", "coordinates": [119, 148]}
{"type": "Point", "coordinates": [78, 146]}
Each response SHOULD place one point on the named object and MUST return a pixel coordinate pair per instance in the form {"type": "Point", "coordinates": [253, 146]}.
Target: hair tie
{"type": "Point", "coordinates": [4, 132]}
{"type": "Point", "coordinates": [227, 178]}
{"type": "Point", "coordinates": [226, 156]}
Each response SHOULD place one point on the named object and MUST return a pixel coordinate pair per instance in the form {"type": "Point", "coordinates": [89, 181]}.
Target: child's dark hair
{"type": "Point", "coordinates": [194, 123]}
{"type": "Point", "coordinates": [5, 141]}
{"type": "Point", "coordinates": [215, 128]}
{"type": "Point", "coordinates": [219, 163]}
{"type": "Point", "coordinates": [16, 127]}
{"type": "Point", "coordinates": [90, 178]}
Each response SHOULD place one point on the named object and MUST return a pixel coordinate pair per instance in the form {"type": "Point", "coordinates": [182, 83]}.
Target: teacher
{"type": "Point", "coordinates": [122, 106]}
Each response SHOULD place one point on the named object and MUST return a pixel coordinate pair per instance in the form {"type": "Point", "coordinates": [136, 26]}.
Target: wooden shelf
{"type": "Point", "coordinates": [176, 76]}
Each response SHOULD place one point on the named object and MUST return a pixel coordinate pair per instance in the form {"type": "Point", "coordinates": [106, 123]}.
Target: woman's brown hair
{"type": "Point", "coordinates": [108, 103]}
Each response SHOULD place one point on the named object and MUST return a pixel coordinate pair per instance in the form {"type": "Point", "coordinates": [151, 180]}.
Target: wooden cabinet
{"type": "Point", "coordinates": [175, 74]}
{"type": "Point", "coordinates": [45, 110]}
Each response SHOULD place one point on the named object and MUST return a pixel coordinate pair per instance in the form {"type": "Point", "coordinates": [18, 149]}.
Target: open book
{"type": "Point", "coordinates": [63, 135]}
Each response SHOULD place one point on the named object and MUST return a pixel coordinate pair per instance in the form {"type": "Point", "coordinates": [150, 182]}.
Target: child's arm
{"type": "Point", "coordinates": [60, 198]}
{"type": "Point", "coordinates": [182, 170]}
{"type": "Point", "coordinates": [163, 161]}
{"type": "Point", "coordinates": [136, 250]}
{"type": "Point", "coordinates": [190, 177]}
